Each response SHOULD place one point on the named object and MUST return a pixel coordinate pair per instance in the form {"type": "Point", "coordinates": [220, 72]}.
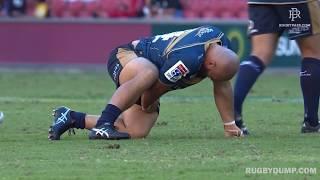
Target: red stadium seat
{"type": "Point", "coordinates": [121, 8]}
{"type": "Point", "coordinates": [107, 7]}
{"type": "Point", "coordinates": [227, 15]}
{"type": "Point", "coordinates": [243, 14]}
{"type": "Point", "coordinates": [214, 8]}
{"type": "Point", "coordinates": [75, 8]}
{"type": "Point", "coordinates": [30, 7]}
{"type": "Point", "coordinates": [91, 9]}
{"type": "Point", "coordinates": [190, 14]}
{"type": "Point", "coordinates": [243, 10]}
{"type": "Point", "coordinates": [191, 8]}
{"type": "Point", "coordinates": [136, 6]}
{"type": "Point", "coordinates": [226, 9]}
{"type": "Point", "coordinates": [185, 4]}
{"type": "Point", "coordinates": [124, 8]}
{"type": "Point", "coordinates": [130, 8]}
{"type": "Point", "coordinates": [57, 8]}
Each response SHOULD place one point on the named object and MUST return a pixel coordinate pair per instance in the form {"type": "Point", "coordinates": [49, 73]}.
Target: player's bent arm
{"type": "Point", "coordinates": [153, 94]}
{"type": "Point", "coordinates": [224, 101]}
{"type": "Point", "coordinates": [223, 97]}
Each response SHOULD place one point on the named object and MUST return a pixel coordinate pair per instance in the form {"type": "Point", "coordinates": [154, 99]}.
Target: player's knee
{"type": "Point", "coordinates": [151, 73]}
{"type": "Point", "coordinates": [146, 68]}
{"type": "Point", "coordinates": [145, 64]}
{"type": "Point", "coordinates": [310, 51]}
{"type": "Point", "coordinates": [309, 48]}
{"type": "Point", "coordinates": [148, 75]}
{"type": "Point", "coordinates": [265, 57]}
{"type": "Point", "coordinates": [265, 50]}
{"type": "Point", "coordinates": [138, 134]}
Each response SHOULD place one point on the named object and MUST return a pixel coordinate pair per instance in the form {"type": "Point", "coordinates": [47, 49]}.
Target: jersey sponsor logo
{"type": "Point", "coordinates": [203, 31]}
{"type": "Point", "coordinates": [200, 56]}
{"type": "Point", "coordinates": [176, 72]}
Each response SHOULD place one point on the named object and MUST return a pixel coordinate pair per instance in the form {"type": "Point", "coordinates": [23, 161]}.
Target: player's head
{"type": "Point", "coordinates": [221, 64]}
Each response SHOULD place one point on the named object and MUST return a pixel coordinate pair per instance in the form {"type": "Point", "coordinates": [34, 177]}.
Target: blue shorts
{"type": "Point", "coordinates": [299, 20]}
{"type": "Point", "coordinates": [114, 65]}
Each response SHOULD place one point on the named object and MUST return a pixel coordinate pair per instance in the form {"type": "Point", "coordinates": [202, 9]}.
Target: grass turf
{"type": "Point", "coordinates": [186, 143]}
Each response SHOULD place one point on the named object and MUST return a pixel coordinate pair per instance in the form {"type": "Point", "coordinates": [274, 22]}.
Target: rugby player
{"type": "Point", "coordinates": [268, 20]}
{"type": "Point", "coordinates": [145, 69]}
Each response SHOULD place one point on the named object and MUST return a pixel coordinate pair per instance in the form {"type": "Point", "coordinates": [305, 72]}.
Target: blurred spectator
{"type": "Point", "coordinates": [162, 8]}
{"type": "Point", "coordinates": [15, 8]}
{"type": "Point", "coordinates": [96, 8]}
{"type": "Point", "coordinates": [1, 7]}
{"type": "Point", "coordinates": [121, 8]}
{"type": "Point", "coordinates": [91, 8]}
{"type": "Point", "coordinates": [204, 9]}
{"type": "Point", "coordinates": [225, 9]}
{"type": "Point", "coordinates": [41, 9]}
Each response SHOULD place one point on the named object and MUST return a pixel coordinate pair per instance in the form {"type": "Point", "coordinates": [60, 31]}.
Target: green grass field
{"type": "Point", "coordinates": [186, 143]}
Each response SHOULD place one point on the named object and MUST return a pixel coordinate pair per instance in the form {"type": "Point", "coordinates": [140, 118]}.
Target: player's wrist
{"type": "Point", "coordinates": [231, 129]}
{"type": "Point", "coordinates": [229, 123]}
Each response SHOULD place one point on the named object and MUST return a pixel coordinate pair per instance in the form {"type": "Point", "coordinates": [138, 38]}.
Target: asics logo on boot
{"type": "Point", "coordinates": [101, 132]}
{"type": "Point", "coordinates": [63, 118]}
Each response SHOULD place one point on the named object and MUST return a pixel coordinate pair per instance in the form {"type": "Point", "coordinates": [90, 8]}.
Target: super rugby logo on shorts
{"type": "Point", "coordinates": [176, 72]}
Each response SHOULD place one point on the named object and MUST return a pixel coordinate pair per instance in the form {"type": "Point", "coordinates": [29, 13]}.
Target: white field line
{"type": "Point", "coordinates": [166, 99]}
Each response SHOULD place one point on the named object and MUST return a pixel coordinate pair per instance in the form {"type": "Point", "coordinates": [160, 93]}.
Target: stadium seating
{"type": "Point", "coordinates": [58, 8]}
{"type": "Point", "coordinates": [214, 8]}
{"type": "Point", "coordinates": [226, 9]}
{"type": "Point", "coordinates": [101, 8]}
{"type": "Point", "coordinates": [90, 9]}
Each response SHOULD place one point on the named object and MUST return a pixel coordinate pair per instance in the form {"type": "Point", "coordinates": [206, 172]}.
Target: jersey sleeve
{"type": "Point", "coordinates": [175, 69]}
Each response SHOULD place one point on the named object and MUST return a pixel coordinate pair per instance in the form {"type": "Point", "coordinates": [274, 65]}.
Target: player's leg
{"type": "Point", "coordinates": [308, 38]}
{"type": "Point", "coordinates": [134, 121]}
{"type": "Point", "coordinates": [250, 69]}
{"type": "Point", "coordinates": [310, 81]}
{"type": "Point", "coordinates": [264, 31]}
{"type": "Point", "coordinates": [137, 76]}
{"type": "Point", "coordinates": [253, 66]}
{"type": "Point", "coordinates": [137, 122]}
{"type": "Point", "coordinates": [65, 119]}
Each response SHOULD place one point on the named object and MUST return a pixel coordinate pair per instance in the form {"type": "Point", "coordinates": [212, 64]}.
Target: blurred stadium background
{"type": "Point", "coordinates": [46, 35]}
{"type": "Point", "coordinates": [84, 31]}
{"type": "Point", "coordinates": [125, 8]}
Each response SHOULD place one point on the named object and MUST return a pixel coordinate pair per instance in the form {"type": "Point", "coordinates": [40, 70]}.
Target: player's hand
{"type": "Point", "coordinates": [152, 108]}
{"type": "Point", "coordinates": [232, 131]}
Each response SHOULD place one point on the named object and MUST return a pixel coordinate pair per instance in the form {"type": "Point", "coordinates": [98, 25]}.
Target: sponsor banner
{"type": "Point", "coordinates": [55, 42]}
{"type": "Point", "coordinates": [64, 43]}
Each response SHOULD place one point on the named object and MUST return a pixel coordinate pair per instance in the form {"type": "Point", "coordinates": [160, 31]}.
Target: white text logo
{"type": "Point", "coordinates": [294, 13]}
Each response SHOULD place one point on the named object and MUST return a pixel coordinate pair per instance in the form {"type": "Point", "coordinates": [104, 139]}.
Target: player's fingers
{"type": "Point", "coordinates": [233, 133]}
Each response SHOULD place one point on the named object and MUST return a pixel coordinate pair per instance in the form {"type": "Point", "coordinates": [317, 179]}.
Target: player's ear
{"type": "Point", "coordinates": [211, 63]}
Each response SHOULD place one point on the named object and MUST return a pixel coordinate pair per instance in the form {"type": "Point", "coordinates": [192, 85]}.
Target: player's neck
{"type": "Point", "coordinates": [202, 72]}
